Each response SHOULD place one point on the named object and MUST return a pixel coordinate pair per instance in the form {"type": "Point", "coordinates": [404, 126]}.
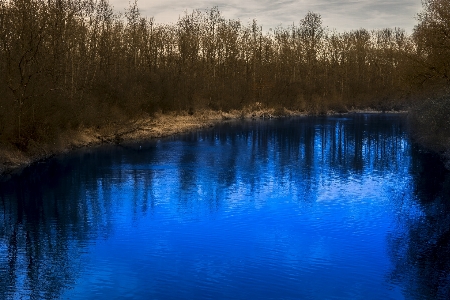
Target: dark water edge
{"type": "Point", "coordinates": [51, 215]}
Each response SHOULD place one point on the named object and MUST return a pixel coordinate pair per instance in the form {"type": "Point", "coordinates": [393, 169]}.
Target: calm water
{"type": "Point", "coordinates": [307, 208]}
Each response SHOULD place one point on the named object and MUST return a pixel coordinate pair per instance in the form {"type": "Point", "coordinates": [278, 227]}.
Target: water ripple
{"type": "Point", "coordinates": [308, 208]}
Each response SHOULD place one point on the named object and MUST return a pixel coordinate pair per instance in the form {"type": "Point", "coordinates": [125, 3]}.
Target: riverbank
{"type": "Point", "coordinates": [13, 161]}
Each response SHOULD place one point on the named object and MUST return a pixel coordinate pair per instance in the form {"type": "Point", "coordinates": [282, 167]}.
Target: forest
{"type": "Point", "coordinates": [70, 64]}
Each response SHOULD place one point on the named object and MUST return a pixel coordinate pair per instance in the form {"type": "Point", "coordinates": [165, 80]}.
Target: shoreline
{"type": "Point", "coordinates": [13, 162]}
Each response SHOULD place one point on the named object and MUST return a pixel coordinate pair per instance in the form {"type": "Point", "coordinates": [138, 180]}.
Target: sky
{"type": "Point", "coordinates": [342, 15]}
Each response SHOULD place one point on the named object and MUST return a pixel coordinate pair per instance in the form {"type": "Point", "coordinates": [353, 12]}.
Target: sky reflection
{"type": "Point", "coordinates": [308, 208]}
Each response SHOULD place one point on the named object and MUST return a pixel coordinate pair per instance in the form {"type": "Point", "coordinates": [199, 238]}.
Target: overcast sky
{"type": "Point", "coordinates": [342, 15]}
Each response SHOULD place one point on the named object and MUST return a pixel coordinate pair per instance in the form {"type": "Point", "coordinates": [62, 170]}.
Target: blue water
{"type": "Point", "coordinates": [304, 208]}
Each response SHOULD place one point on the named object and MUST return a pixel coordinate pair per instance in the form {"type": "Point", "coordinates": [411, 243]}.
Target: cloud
{"type": "Point", "coordinates": [343, 15]}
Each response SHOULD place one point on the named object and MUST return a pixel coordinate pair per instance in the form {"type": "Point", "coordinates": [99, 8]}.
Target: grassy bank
{"type": "Point", "coordinates": [13, 160]}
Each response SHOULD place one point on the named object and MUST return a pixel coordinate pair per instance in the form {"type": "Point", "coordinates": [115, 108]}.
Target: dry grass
{"type": "Point", "coordinates": [157, 126]}
{"type": "Point", "coordinates": [150, 127]}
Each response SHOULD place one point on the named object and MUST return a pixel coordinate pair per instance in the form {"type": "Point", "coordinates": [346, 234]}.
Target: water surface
{"type": "Point", "coordinates": [305, 208]}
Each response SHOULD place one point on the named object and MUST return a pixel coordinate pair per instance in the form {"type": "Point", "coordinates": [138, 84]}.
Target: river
{"type": "Point", "coordinates": [342, 207]}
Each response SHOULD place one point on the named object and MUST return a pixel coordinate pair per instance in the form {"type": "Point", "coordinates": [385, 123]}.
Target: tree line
{"type": "Point", "coordinates": [66, 64]}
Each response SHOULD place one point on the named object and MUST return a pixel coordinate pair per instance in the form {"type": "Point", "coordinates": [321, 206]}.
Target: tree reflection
{"type": "Point", "coordinates": [49, 214]}
{"type": "Point", "coordinates": [294, 151]}
{"type": "Point", "coordinates": [420, 246]}
{"type": "Point", "coordinates": [54, 210]}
